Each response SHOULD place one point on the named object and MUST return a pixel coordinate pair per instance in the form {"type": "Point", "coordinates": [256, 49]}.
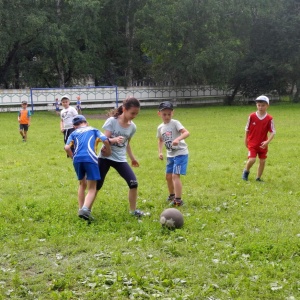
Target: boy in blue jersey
{"type": "Point", "coordinates": [85, 140]}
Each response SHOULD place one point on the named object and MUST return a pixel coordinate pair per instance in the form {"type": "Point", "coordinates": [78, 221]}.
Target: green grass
{"type": "Point", "coordinates": [241, 240]}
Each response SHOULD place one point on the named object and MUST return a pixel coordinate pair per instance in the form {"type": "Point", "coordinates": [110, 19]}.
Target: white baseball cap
{"type": "Point", "coordinates": [263, 98]}
{"type": "Point", "coordinates": [64, 97]}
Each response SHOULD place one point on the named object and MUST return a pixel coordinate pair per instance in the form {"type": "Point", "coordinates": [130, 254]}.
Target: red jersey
{"type": "Point", "coordinates": [258, 128]}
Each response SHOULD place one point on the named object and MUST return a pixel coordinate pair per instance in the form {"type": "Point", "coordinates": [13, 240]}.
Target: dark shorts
{"type": "Point", "coordinates": [88, 170]}
{"type": "Point", "coordinates": [122, 168]}
{"type": "Point", "coordinates": [67, 132]}
{"type": "Point", "coordinates": [24, 127]}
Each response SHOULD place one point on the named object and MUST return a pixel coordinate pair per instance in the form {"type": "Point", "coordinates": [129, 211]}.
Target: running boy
{"type": "Point", "coordinates": [171, 133]}
{"type": "Point", "coordinates": [24, 118]}
{"type": "Point", "coordinates": [85, 140]}
{"type": "Point", "coordinates": [256, 137]}
{"type": "Point", "coordinates": [66, 116]}
{"type": "Point", "coordinates": [119, 128]}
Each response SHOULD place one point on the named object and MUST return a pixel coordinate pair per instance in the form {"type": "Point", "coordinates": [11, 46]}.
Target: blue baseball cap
{"type": "Point", "coordinates": [78, 119]}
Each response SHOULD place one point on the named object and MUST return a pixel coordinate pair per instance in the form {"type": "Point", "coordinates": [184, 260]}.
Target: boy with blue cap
{"type": "Point", "coordinates": [85, 139]}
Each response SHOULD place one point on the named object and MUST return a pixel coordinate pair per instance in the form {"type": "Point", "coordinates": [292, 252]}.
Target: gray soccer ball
{"type": "Point", "coordinates": [171, 218]}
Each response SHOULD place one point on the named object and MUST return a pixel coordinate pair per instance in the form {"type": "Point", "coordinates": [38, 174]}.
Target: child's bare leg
{"type": "Point", "coordinates": [261, 167]}
{"type": "Point", "coordinates": [21, 132]}
{"type": "Point", "coordinates": [132, 197]}
{"type": "Point", "coordinates": [250, 163]}
{"type": "Point", "coordinates": [91, 194]}
{"type": "Point", "coordinates": [177, 185]}
{"type": "Point", "coordinates": [170, 183]}
{"type": "Point", "coordinates": [81, 192]}
{"type": "Point", "coordinates": [25, 135]}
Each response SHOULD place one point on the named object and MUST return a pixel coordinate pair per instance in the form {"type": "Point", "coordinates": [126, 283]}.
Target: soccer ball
{"type": "Point", "coordinates": [171, 218]}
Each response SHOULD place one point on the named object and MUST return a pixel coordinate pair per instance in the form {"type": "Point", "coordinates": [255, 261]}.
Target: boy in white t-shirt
{"type": "Point", "coordinates": [66, 117]}
{"type": "Point", "coordinates": [171, 133]}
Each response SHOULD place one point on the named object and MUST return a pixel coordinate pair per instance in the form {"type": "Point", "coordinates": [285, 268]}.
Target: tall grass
{"type": "Point", "coordinates": [241, 240]}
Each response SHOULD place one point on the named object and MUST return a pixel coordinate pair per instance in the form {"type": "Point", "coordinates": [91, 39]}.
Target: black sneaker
{"type": "Point", "coordinates": [245, 175]}
{"type": "Point", "coordinates": [170, 198]}
{"type": "Point", "coordinates": [258, 179]}
{"type": "Point", "coordinates": [177, 202]}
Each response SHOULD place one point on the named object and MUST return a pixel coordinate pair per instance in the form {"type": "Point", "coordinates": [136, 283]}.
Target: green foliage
{"type": "Point", "coordinates": [249, 46]}
{"type": "Point", "coordinates": [240, 239]}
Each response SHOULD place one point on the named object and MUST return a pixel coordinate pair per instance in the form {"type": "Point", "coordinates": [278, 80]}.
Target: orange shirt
{"type": "Point", "coordinates": [24, 116]}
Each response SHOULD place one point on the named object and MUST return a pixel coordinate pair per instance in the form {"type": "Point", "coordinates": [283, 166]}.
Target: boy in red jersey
{"type": "Point", "coordinates": [24, 118]}
{"type": "Point", "coordinates": [256, 138]}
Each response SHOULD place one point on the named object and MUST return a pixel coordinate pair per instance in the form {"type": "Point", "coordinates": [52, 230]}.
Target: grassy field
{"type": "Point", "coordinates": [241, 240]}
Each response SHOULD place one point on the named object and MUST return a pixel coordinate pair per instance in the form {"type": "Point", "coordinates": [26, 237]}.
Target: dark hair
{"type": "Point", "coordinates": [127, 104]}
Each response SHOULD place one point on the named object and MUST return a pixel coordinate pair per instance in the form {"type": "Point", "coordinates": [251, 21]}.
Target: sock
{"type": "Point", "coordinates": [85, 208]}
{"type": "Point", "coordinates": [177, 199]}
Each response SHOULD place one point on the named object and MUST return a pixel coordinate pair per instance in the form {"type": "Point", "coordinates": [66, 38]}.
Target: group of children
{"type": "Point", "coordinates": [81, 145]}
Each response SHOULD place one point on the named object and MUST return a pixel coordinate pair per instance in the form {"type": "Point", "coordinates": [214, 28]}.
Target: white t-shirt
{"type": "Point", "coordinates": [168, 133]}
{"type": "Point", "coordinates": [67, 115]}
{"type": "Point", "coordinates": [118, 150]}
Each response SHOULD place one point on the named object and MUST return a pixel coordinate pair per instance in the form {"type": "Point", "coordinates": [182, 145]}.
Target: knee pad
{"type": "Point", "coordinates": [133, 184]}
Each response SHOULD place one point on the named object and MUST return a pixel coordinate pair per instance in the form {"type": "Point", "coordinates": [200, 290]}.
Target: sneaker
{"type": "Point", "coordinates": [177, 202]}
{"type": "Point", "coordinates": [137, 213]}
{"type": "Point", "coordinates": [170, 198]}
{"type": "Point", "coordinates": [85, 214]}
{"type": "Point", "coordinates": [245, 175]}
{"type": "Point", "coordinates": [258, 179]}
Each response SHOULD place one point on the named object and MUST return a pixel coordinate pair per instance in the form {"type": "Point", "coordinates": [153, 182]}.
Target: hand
{"type": "Point", "coordinates": [119, 139]}
{"type": "Point", "coordinates": [175, 143]}
{"type": "Point", "coordinates": [104, 151]}
{"type": "Point", "coordinates": [160, 156]}
{"type": "Point", "coordinates": [135, 163]}
{"type": "Point", "coordinates": [264, 145]}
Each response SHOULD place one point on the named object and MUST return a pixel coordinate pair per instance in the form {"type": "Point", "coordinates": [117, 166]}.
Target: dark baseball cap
{"type": "Point", "coordinates": [78, 119]}
{"type": "Point", "coordinates": [165, 105]}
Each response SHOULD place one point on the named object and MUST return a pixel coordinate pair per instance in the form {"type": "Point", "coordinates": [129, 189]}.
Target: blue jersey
{"type": "Point", "coordinates": [85, 141]}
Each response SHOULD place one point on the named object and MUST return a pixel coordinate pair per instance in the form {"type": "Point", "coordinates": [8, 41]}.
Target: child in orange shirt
{"type": "Point", "coordinates": [24, 118]}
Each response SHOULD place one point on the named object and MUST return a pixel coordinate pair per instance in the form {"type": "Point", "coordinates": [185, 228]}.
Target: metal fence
{"type": "Point", "coordinates": [92, 97]}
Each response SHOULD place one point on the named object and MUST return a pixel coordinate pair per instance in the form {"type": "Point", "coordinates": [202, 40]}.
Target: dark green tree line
{"type": "Point", "coordinates": [248, 46]}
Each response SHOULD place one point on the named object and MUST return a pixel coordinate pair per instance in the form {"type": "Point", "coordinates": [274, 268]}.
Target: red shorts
{"type": "Point", "coordinates": [254, 151]}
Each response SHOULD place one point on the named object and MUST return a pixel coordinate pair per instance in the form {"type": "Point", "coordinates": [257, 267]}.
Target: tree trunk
{"type": "Point", "coordinates": [129, 38]}
{"type": "Point", "coordinates": [230, 99]}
